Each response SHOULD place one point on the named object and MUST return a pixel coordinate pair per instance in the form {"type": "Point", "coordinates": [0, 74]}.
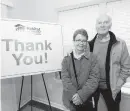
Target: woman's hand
{"type": "Point", "coordinates": [76, 99]}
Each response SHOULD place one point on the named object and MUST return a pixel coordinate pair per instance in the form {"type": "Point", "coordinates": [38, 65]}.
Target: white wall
{"type": "Point", "coordinates": [54, 88]}
{"type": "Point", "coordinates": [38, 10]}
{"type": "Point", "coordinates": [62, 3]}
{"type": "Point", "coordinates": [66, 3]}
{"type": "Point", "coordinates": [4, 5]}
{"type": "Point", "coordinates": [8, 98]}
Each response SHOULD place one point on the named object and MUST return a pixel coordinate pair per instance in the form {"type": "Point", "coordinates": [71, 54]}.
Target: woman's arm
{"type": "Point", "coordinates": [92, 82]}
{"type": "Point", "coordinates": [66, 80]}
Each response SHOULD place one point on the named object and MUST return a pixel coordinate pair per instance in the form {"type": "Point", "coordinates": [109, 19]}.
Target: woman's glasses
{"type": "Point", "coordinates": [81, 41]}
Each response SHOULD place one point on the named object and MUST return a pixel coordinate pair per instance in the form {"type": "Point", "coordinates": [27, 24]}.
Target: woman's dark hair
{"type": "Point", "coordinates": [80, 31]}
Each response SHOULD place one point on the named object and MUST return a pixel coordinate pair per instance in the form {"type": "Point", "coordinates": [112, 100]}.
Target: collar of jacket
{"type": "Point", "coordinates": [113, 40]}
{"type": "Point", "coordinates": [77, 56]}
{"type": "Point", "coordinates": [86, 54]}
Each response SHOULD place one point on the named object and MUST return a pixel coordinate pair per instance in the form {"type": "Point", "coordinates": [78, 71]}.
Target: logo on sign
{"type": "Point", "coordinates": [34, 30]}
{"type": "Point", "coordinates": [20, 27]}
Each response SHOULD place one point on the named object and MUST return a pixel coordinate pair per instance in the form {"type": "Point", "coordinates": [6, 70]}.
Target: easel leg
{"type": "Point", "coordinates": [46, 92]}
{"type": "Point", "coordinates": [21, 92]}
{"type": "Point", "coordinates": [31, 92]}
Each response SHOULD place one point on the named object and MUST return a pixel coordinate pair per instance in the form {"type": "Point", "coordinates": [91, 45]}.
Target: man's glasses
{"type": "Point", "coordinates": [81, 41]}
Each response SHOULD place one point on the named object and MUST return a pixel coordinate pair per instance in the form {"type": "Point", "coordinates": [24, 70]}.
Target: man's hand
{"type": "Point", "coordinates": [76, 99]}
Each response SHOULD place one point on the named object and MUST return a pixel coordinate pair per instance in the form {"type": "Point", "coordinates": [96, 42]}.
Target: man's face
{"type": "Point", "coordinates": [103, 25]}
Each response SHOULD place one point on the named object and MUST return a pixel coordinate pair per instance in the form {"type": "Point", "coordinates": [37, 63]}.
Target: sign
{"type": "Point", "coordinates": [29, 48]}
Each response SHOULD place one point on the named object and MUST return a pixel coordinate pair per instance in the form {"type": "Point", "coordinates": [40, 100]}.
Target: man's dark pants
{"type": "Point", "coordinates": [112, 105]}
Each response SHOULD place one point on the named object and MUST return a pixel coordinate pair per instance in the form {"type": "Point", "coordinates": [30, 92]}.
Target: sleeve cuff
{"type": "Point", "coordinates": [81, 96]}
{"type": "Point", "coordinates": [120, 82]}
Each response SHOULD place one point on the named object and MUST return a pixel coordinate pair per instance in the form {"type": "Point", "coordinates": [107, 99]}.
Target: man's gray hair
{"type": "Point", "coordinates": [109, 18]}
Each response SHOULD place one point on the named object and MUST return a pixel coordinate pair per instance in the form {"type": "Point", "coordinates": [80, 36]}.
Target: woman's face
{"type": "Point", "coordinates": [80, 42]}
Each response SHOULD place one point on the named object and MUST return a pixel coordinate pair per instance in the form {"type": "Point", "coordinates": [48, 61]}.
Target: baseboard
{"type": "Point", "coordinates": [42, 104]}
{"type": "Point", "coordinates": [54, 105]}
{"type": "Point", "coordinates": [25, 103]}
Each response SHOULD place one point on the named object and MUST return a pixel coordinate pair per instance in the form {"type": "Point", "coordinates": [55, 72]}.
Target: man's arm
{"type": "Point", "coordinates": [125, 66]}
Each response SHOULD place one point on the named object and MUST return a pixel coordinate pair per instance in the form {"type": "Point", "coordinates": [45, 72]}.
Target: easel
{"type": "Point", "coordinates": [42, 74]}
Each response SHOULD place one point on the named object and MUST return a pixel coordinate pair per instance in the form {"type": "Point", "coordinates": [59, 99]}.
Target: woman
{"type": "Point", "coordinates": [80, 75]}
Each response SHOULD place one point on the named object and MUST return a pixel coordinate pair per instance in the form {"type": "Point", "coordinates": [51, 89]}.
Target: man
{"type": "Point", "coordinates": [114, 62]}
